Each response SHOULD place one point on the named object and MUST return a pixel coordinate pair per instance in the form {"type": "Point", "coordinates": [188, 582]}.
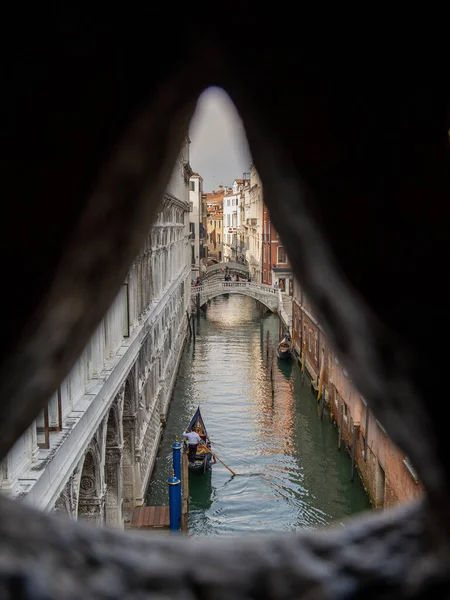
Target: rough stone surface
{"type": "Point", "coordinates": [52, 558]}
{"type": "Point", "coordinates": [349, 134]}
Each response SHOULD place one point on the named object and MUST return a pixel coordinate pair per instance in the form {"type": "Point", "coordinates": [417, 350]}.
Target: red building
{"type": "Point", "coordinates": [386, 472]}
{"type": "Point", "coordinates": [276, 268]}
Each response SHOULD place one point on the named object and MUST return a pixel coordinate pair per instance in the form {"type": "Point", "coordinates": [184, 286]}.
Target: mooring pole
{"type": "Point", "coordinates": [176, 459]}
{"type": "Point", "coordinates": [184, 492]}
{"type": "Point", "coordinates": [174, 502]}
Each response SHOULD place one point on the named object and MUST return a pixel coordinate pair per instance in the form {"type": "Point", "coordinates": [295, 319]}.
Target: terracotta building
{"type": "Point", "coordinates": [386, 472]}
{"type": "Point", "coordinates": [276, 267]}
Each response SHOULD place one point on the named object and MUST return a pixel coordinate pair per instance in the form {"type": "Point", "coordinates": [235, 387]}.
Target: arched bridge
{"type": "Point", "coordinates": [214, 271]}
{"type": "Point", "coordinates": [265, 294]}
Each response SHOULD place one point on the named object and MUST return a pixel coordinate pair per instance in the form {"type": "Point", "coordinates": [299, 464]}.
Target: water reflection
{"type": "Point", "coordinates": [290, 474]}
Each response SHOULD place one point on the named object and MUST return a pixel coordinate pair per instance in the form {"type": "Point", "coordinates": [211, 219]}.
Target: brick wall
{"type": "Point", "coordinates": [381, 464]}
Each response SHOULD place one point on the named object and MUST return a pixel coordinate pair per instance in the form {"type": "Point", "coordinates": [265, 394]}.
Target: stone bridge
{"type": "Point", "coordinates": [265, 294]}
{"type": "Point", "coordinates": [214, 271]}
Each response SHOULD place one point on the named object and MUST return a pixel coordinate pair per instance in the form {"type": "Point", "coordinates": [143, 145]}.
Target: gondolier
{"type": "Point", "coordinates": [193, 440]}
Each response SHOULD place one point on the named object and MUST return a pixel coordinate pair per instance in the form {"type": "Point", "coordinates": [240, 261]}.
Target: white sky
{"type": "Point", "coordinates": [218, 150]}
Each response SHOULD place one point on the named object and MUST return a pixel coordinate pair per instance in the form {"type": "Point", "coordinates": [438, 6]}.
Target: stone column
{"type": "Point", "coordinates": [128, 465]}
{"type": "Point", "coordinates": [114, 496]}
{"type": "Point", "coordinates": [138, 491]}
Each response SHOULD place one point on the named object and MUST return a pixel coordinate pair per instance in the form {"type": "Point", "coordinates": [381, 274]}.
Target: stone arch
{"type": "Point", "coordinates": [91, 493]}
{"type": "Point", "coordinates": [270, 303]}
{"type": "Point", "coordinates": [62, 506]}
{"type": "Point", "coordinates": [129, 397]}
{"type": "Point", "coordinates": [113, 466]}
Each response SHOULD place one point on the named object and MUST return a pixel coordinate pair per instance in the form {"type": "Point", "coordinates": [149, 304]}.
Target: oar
{"type": "Point", "coordinates": [231, 471]}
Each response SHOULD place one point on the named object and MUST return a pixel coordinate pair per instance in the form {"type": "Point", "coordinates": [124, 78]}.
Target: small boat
{"type": "Point", "coordinates": [203, 459]}
{"type": "Point", "coordinates": [284, 349]}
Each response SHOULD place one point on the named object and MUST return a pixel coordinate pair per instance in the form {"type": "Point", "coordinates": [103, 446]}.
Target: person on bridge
{"type": "Point", "coordinates": [193, 440]}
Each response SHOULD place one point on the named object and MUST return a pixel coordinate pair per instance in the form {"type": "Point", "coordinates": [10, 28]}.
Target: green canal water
{"type": "Point", "coordinates": [290, 473]}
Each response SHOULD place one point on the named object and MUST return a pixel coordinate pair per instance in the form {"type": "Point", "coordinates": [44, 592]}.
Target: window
{"type": "Point", "coordinates": [210, 223]}
{"type": "Point", "coordinates": [55, 412]}
{"type": "Point", "coordinates": [344, 410]}
{"type": "Point", "coordinates": [192, 186]}
{"type": "Point", "coordinates": [218, 238]}
{"type": "Point", "coordinates": [265, 253]}
{"type": "Point", "coordinates": [215, 224]}
{"type": "Point", "coordinates": [281, 253]}
{"type": "Point", "coordinates": [191, 207]}
{"type": "Point", "coordinates": [264, 276]}
{"type": "Point", "coordinates": [228, 202]}
{"type": "Point", "coordinates": [42, 429]}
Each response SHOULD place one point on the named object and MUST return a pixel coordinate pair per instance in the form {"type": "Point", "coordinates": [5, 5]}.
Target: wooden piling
{"type": "Point", "coordinates": [341, 416]}
{"type": "Point", "coordinates": [322, 405]}
{"type": "Point", "coordinates": [189, 323]}
{"type": "Point", "coordinates": [355, 427]}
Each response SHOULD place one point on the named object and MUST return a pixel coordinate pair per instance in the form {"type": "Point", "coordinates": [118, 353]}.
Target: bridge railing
{"type": "Point", "coordinates": [233, 285]}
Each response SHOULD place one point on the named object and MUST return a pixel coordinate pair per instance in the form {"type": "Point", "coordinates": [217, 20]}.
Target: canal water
{"type": "Point", "coordinates": [290, 474]}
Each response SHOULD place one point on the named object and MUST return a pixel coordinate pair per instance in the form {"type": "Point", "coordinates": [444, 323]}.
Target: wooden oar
{"type": "Point", "coordinates": [231, 471]}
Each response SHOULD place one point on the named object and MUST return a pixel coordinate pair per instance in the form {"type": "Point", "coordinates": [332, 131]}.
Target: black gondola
{"type": "Point", "coordinates": [284, 349]}
{"type": "Point", "coordinates": [203, 459]}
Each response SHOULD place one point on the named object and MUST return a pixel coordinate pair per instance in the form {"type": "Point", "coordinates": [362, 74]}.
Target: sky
{"type": "Point", "coordinates": [218, 150]}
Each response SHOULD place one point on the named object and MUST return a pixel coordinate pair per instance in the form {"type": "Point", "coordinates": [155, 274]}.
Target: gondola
{"type": "Point", "coordinates": [203, 459]}
{"type": "Point", "coordinates": [284, 349]}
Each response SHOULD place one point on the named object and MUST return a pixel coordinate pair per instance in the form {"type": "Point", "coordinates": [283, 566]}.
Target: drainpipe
{"type": "Point", "coordinates": [367, 433]}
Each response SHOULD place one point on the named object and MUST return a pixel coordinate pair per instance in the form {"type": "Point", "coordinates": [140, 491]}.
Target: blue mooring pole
{"type": "Point", "coordinates": [176, 454]}
{"type": "Point", "coordinates": [174, 502]}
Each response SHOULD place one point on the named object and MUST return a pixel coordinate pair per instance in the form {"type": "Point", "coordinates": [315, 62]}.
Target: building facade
{"type": "Point", "coordinates": [197, 233]}
{"type": "Point", "coordinates": [214, 221]}
{"type": "Point", "coordinates": [233, 204]}
{"type": "Point", "coordinates": [276, 268]}
{"type": "Point", "coordinates": [252, 225]}
{"type": "Point", "coordinates": [386, 472]}
{"type": "Point", "coordinates": [91, 452]}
